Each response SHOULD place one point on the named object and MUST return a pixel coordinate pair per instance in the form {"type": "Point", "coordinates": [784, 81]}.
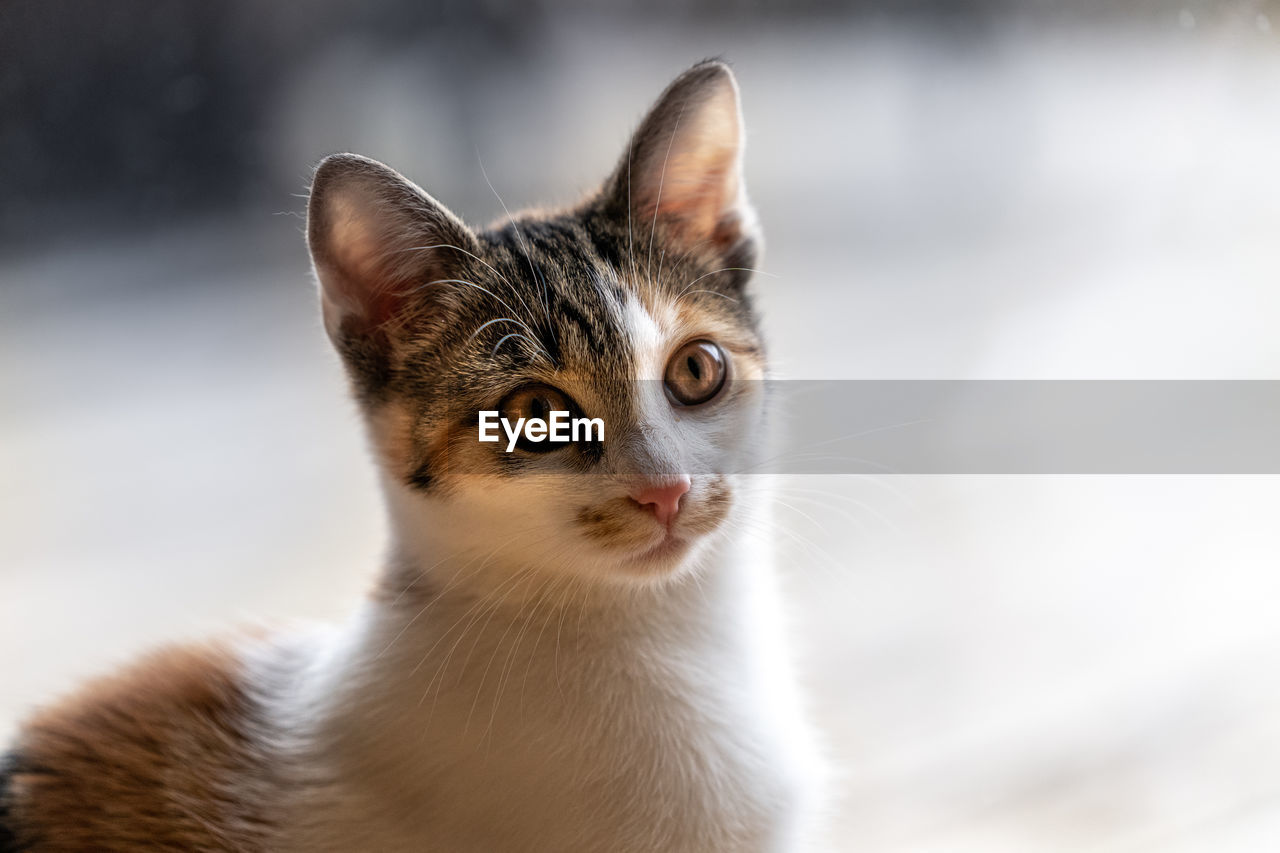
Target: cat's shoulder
{"type": "Point", "coordinates": [166, 751]}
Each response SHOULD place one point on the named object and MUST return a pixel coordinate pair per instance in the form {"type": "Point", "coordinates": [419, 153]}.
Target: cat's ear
{"type": "Point", "coordinates": [684, 165]}
{"type": "Point", "coordinates": [375, 237]}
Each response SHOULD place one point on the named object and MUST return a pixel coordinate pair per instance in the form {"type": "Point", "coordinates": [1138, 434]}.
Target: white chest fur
{"type": "Point", "coordinates": [667, 722]}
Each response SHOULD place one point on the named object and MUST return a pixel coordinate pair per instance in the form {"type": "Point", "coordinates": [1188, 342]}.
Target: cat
{"type": "Point", "coordinates": [572, 646]}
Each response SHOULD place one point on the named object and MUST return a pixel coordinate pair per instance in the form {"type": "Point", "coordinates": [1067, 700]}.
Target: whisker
{"type": "Point", "coordinates": [417, 577]}
{"type": "Point", "coordinates": [486, 325]}
{"type": "Point", "coordinates": [458, 578]}
{"type": "Point", "coordinates": [662, 179]}
{"type": "Point", "coordinates": [809, 454]}
{"type": "Point", "coordinates": [682, 256]}
{"type": "Point", "coordinates": [546, 310]}
{"type": "Point", "coordinates": [712, 292]}
{"type": "Point", "coordinates": [508, 662]}
{"type": "Point", "coordinates": [493, 611]}
{"type": "Point", "coordinates": [687, 291]}
{"type": "Point", "coordinates": [490, 603]}
{"type": "Point", "coordinates": [500, 301]}
{"type": "Point", "coordinates": [507, 281]}
{"type": "Point", "coordinates": [631, 243]}
{"type": "Point", "coordinates": [490, 266]}
{"type": "Point", "coordinates": [502, 340]}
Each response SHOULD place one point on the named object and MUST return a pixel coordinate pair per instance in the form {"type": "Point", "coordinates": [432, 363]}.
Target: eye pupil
{"type": "Point", "coordinates": [694, 367]}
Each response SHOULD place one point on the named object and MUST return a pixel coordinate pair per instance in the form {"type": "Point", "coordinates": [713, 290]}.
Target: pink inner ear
{"type": "Point", "coordinates": [373, 236]}
{"type": "Point", "coordinates": [367, 284]}
{"type": "Point", "coordinates": [698, 193]}
{"type": "Point", "coordinates": [696, 185]}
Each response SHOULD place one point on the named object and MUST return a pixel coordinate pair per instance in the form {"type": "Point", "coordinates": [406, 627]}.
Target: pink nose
{"type": "Point", "coordinates": [663, 497]}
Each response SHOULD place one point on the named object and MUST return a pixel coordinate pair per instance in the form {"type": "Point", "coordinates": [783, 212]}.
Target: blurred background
{"type": "Point", "coordinates": [950, 189]}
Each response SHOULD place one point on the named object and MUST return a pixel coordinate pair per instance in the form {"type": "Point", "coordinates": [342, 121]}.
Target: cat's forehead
{"type": "Point", "coordinates": [597, 293]}
{"type": "Point", "coordinates": [569, 294]}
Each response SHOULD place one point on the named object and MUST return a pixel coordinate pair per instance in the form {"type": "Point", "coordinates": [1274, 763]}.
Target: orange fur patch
{"type": "Point", "coordinates": [160, 756]}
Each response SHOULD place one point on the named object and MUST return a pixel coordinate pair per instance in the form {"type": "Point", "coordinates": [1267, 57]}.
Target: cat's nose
{"type": "Point", "coordinates": [663, 497]}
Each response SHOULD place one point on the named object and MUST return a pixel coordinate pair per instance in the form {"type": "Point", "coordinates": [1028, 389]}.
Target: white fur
{"type": "Point", "coordinates": [527, 709]}
{"type": "Point", "coordinates": [656, 721]}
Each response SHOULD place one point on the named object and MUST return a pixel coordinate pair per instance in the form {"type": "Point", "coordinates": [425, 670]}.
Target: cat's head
{"type": "Point", "coordinates": [630, 308]}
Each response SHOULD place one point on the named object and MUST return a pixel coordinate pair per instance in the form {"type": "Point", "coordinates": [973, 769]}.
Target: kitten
{"type": "Point", "coordinates": [573, 646]}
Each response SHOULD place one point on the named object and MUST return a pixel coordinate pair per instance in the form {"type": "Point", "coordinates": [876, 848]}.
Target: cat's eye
{"type": "Point", "coordinates": [535, 401]}
{"type": "Point", "coordinates": [695, 373]}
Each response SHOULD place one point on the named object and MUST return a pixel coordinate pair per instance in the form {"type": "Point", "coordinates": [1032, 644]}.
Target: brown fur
{"type": "Point", "coordinates": [156, 757]}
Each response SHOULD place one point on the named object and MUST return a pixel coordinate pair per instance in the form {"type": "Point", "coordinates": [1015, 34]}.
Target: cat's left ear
{"type": "Point", "coordinates": [683, 167]}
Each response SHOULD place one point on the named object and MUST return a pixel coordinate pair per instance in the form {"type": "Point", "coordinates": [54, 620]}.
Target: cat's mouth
{"type": "Point", "coordinates": [635, 534]}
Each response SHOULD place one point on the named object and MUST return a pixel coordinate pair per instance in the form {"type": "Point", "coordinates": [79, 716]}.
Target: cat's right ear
{"type": "Point", "coordinates": [376, 239]}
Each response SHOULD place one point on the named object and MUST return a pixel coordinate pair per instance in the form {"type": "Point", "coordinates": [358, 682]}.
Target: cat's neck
{"type": "Point", "coordinates": [528, 693]}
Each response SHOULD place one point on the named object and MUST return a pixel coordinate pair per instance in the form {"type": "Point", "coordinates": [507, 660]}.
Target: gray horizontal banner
{"type": "Point", "coordinates": [1023, 427]}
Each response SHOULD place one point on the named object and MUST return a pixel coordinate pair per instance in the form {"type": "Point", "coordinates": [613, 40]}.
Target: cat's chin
{"type": "Point", "coordinates": [660, 560]}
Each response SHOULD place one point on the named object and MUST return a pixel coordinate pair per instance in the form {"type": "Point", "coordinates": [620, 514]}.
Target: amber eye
{"type": "Point", "coordinates": [695, 373]}
{"type": "Point", "coordinates": [535, 401]}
